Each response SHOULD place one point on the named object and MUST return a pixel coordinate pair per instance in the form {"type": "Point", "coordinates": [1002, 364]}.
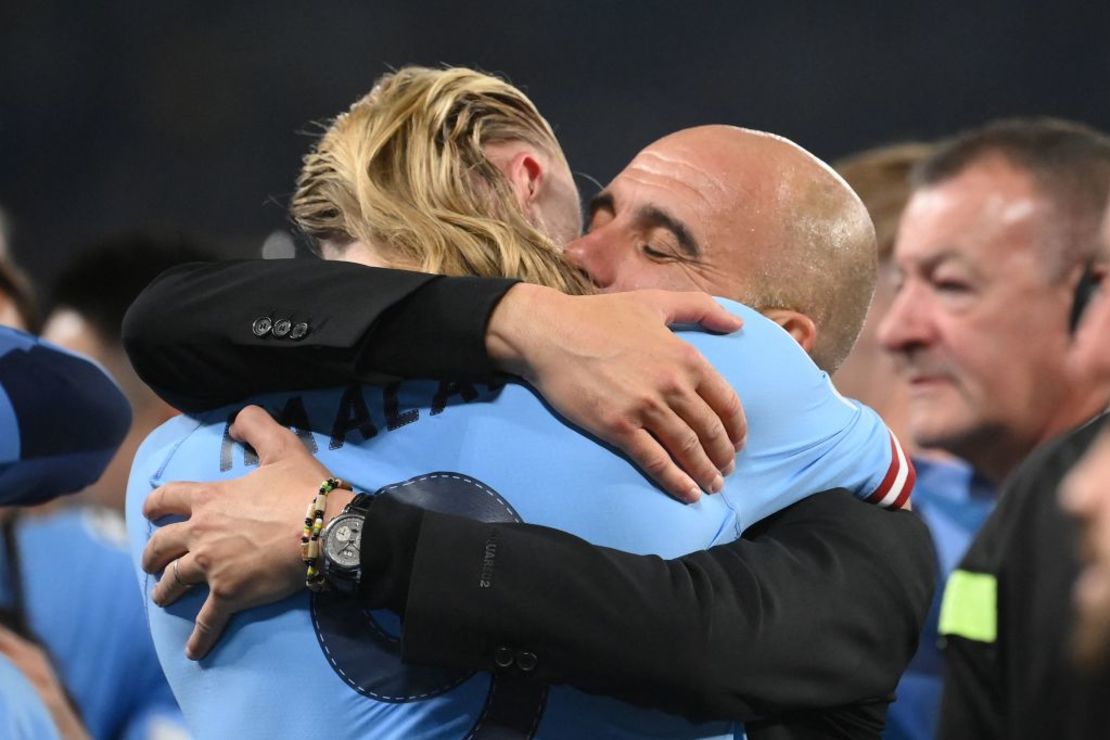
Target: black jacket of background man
{"type": "Point", "coordinates": [817, 608]}
{"type": "Point", "coordinates": [1023, 684]}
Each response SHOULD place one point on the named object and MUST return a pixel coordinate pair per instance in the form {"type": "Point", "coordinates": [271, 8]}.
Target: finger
{"type": "Point", "coordinates": [175, 583]}
{"type": "Point", "coordinates": [684, 447]}
{"type": "Point", "coordinates": [693, 410]}
{"type": "Point", "coordinates": [210, 624]}
{"type": "Point", "coordinates": [725, 404]}
{"type": "Point", "coordinates": [168, 542]}
{"type": "Point", "coordinates": [172, 499]}
{"type": "Point", "coordinates": [255, 427]}
{"type": "Point", "coordinates": [650, 456]}
{"type": "Point", "coordinates": [700, 309]}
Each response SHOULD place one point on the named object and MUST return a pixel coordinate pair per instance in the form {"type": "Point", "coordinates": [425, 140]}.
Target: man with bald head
{"type": "Point", "coordinates": [802, 254]}
{"type": "Point", "coordinates": [650, 228]}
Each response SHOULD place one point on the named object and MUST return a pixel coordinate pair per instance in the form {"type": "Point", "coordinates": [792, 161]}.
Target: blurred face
{"type": "Point", "coordinates": [976, 329]}
{"type": "Point", "coordinates": [1091, 359]}
{"type": "Point", "coordinates": [1085, 494]}
{"type": "Point", "coordinates": [669, 221]}
{"type": "Point", "coordinates": [9, 314]}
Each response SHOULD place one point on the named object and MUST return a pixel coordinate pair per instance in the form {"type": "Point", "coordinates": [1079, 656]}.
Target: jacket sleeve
{"type": "Point", "coordinates": [817, 606]}
{"type": "Point", "coordinates": [207, 334]}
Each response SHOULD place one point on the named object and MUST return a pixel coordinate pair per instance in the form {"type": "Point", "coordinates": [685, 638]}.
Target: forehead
{"type": "Point", "coordinates": [988, 212]}
{"type": "Point", "coordinates": [67, 328]}
{"type": "Point", "coordinates": [704, 195]}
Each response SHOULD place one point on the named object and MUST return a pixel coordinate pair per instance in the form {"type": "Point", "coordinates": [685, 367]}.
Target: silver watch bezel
{"type": "Point", "coordinates": [342, 577]}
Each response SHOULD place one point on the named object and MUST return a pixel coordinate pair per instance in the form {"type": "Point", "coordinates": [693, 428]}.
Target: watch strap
{"type": "Point", "coordinates": [360, 504]}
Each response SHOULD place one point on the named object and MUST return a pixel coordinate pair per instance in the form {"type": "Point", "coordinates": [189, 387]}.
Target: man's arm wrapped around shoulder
{"type": "Point", "coordinates": [206, 334]}
{"type": "Point", "coordinates": [817, 606]}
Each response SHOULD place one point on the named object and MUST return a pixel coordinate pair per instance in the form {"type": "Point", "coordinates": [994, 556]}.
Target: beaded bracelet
{"type": "Point", "coordinates": [310, 536]}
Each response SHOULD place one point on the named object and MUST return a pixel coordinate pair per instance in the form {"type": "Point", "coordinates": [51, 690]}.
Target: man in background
{"type": "Point", "coordinates": [990, 251]}
{"type": "Point", "coordinates": [42, 389]}
{"type": "Point", "coordinates": [115, 679]}
{"type": "Point", "coordinates": [1047, 675]}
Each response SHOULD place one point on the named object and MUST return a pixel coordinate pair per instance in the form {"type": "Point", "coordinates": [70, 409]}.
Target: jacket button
{"type": "Point", "coordinates": [526, 661]}
{"type": "Point", "coordinates": [261, 326]}
{"type": "Point", "coordinates": [282, 327]}
{"type": "Point", "coordinates": [299, 331]}
{"type": "Point", "coordinates": [503, 657]}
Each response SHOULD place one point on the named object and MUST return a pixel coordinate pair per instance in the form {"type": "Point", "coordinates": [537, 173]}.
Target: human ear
{"type": "Point", "coordinates": [525, 173]}
{"type": "Point", "coordinates": [797, 325]}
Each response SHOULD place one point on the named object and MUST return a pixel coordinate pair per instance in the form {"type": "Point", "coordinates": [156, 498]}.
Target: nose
{"type": "Point", "coordinates": [907, 323]}
{"type": "Point", "coordinates": [590, 252]}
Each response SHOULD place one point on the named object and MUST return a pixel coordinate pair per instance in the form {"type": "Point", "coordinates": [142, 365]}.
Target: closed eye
{"type": "Point", "coordinates": [951, 286]}
{"type": "Point", "coordinates": [656, 254]}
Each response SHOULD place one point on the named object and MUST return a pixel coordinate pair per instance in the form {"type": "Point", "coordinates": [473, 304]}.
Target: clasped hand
{"type": "Point", "coordinates": [240, 537]}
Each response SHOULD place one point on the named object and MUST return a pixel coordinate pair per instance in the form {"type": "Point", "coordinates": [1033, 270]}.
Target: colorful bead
{"type": "Point", "coordinates": [310, 535]}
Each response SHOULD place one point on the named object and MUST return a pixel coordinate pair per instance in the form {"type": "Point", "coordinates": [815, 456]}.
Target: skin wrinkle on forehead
{"type": "Point", "coordinates": [707, 182]}
{"type": "Point", "coordinates": [675, 171]}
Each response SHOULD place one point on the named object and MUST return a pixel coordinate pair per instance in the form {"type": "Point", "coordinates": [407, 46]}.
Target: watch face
{"type": "Point", "coordinates": [344, 538]}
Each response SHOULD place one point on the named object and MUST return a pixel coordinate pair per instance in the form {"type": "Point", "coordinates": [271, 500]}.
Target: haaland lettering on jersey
{"type": "Point", "coordinates": [497, 454]}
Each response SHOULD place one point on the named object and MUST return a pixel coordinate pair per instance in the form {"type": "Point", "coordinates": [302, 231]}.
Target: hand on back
{"type": "Point", "coordinates": [610, 365]}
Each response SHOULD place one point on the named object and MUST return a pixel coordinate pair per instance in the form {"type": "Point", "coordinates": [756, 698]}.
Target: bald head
{"type": "Point", "coordinates": [741, 214]}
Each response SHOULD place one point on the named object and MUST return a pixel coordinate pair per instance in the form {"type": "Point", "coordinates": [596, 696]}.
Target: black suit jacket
{"type": "Point", "coordinates": [207, 334]}
{"type": "Point", "coordinates": [817, 608]}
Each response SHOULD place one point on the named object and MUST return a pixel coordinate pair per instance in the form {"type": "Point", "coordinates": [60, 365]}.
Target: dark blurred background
{"type": "Point", "coordinates": [192, 115]}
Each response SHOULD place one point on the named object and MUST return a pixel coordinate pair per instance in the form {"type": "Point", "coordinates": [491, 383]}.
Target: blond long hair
{"type": "Point", "coordinates": [404, 170]}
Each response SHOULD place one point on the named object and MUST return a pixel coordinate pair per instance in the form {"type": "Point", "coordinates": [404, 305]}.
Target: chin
{"type": "Point", "coordinates": [938, 431]}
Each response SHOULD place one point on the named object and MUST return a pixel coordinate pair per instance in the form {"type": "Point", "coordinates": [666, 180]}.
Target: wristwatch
{"type": "Point", "coordinates": [342, 538]}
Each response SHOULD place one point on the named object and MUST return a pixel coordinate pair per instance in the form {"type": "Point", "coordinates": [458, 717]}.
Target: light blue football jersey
{"type": "Point", "coordinates": [87, 612]}
{"type": "Point", "coordinates": [23, 716]}
{"type": "Point", "coordinates": [497, 454]}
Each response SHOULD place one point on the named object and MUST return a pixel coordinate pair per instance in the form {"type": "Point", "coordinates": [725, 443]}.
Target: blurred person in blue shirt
{"type": "Point", "coordinates": [79, 552]}
{"type": "Point", "coordinates": [61, 420]}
